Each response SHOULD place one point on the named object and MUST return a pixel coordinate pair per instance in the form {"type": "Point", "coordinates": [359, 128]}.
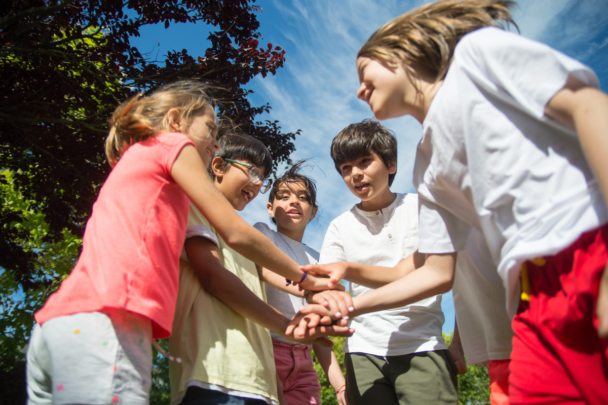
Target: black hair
{"type": "Point", "coordinates": [361, 139]}
{"type": "Point", "coordinates": [293, 175]}
{"type": "Point", "coordinates": [245, 147]}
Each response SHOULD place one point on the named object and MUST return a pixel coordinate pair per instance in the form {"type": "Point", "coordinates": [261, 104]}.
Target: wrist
{"type": "Point", "coordinates": [302, 279]}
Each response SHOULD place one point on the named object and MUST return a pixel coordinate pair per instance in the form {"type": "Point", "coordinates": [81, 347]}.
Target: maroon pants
{"type": "Point", "coordinates": [557, 356]}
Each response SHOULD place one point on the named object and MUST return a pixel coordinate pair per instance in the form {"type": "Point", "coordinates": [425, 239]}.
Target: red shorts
{"type": "Point", "coordinates": [557, 356]}
{"type": "Point", "coordinates": [499, 382]}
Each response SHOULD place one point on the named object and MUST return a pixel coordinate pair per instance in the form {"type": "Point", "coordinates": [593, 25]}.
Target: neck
{"type": "Point", "coordinates": [377, 203]}
{"type": "Point", "coordinates": [428, 94]}
{"type": "Point", "coordinates": [295, 234]}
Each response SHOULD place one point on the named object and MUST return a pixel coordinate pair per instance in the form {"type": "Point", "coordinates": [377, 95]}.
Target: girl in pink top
{"type": "Point", "coordinates": [92, 340]}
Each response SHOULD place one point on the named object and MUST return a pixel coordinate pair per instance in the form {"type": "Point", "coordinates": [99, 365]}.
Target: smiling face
{"type": "Point", "coordinates": [367, 178]}
{"type": "Point", "coordinates": [389, 92]}
{"type": "Point", "coordinates": [233, 182]}
{"type": "Point", "coordinates": [203, 132]}
{"type": "Point", "coordinates": [291, 208]}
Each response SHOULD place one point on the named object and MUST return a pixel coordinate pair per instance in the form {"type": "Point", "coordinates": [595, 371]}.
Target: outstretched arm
{"type": "Point", "coordinates": [369, 276]}
{"type": "Point", "coordinates": [189, 173]}
{"type": "Point", "coordinates": [229, 289]}
{"type": "Point", "coordinates": [435, 277]}
{"type": "Point", "coordinates": [585, 109]}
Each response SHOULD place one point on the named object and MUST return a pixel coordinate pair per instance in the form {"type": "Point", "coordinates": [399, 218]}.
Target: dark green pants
{"type": "Point", "coordinates": [412, 379]}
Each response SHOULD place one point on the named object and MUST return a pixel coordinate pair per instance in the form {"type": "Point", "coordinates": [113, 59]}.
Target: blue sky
{"type": "Point", "coordinates": [316, 89]}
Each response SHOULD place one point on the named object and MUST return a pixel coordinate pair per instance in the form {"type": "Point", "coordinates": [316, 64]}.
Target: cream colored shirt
{"type": "Point", "coordinates": [218, 347]}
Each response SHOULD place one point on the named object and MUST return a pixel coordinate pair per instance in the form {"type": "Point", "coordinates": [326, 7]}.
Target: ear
{"type": "Point", "coordinates": [174, 120]}
{"type": "Point", "coordinates": [392, 167]}
{"type": "Point", "coordinates": [314, 212]}
{"type": "Point", "coordinates": [217, 166]}
{"type": "Point", "coordinates": [269, 207]}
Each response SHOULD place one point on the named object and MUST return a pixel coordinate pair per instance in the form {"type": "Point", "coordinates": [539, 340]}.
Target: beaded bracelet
{"type": "Point", "coordinates": [297, 282]}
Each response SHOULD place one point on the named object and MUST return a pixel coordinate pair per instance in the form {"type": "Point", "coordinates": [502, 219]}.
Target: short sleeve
{"type": "Point", "coordinates": [332, 250]}
{"type": "Point", "coordinates": [529, 72]}
{"type": "Point", "coordinates": [202, 231]}
{"type": "Point", "coordinates": [439, 230]}
{"type": "Point", "coordinates": [266, 231]}
{"type": "Point", "coordinates": [170, 145]}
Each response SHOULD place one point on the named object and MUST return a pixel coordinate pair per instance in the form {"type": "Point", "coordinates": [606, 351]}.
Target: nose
{"type": "Point", "coordinates": [216, 145]}
{"type": "Point", "coordinates": [361, 92]}
{"type": "Point", "coordinates": [356, 171]}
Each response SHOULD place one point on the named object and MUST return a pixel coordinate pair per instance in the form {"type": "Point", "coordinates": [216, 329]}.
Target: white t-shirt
{"type": "Point", "coordinates": [490, 159]}
{"type": "Point", "coordinates": [384, 238]}
{"type": "Point", "coordinates": [285, 303]}
{"type": "Point", "coordinates": [479, 301]}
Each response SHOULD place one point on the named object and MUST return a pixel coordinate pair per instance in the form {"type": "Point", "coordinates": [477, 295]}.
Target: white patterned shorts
{"type": "Point", "coordinates": [91, 358]}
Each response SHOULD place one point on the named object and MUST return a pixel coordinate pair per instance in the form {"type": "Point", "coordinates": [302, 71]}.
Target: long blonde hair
{"type": "Point", "coordinates": [425, 38]}
{"type": "Point", "coordinates": [143, 117]}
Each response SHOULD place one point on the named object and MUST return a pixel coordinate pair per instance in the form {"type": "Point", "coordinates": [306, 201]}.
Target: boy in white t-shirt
{"type": "Point", "coordinates": [396, 356]}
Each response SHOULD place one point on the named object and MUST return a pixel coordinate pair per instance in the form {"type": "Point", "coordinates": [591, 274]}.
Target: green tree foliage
{"type": "Point", "coordinates": [53, 262]}
{"type": "Point", "coordinates": [474, 386]}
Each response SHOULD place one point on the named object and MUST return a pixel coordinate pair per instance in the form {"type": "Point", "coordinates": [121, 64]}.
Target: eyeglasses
{"type": "Point", "coordinates": [255, 175]}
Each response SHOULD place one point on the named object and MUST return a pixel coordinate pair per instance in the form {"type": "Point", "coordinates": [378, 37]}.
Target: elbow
{"type": "Point", "coordinates": [446, 282]}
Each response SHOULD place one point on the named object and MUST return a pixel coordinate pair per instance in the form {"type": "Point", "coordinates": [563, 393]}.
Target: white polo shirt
{"type": "Point", "coordinates": [384, 238]}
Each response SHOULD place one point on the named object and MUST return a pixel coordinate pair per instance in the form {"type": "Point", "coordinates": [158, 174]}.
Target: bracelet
{"type": "Point", "coordinates": [340, 389]}
{"type": "Point", "coordinates": [297, 282]}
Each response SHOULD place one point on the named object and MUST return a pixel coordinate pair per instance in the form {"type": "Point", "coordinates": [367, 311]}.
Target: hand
{"type": "Point", "coordinates": [342, 398]}
{"type": "Point", "coordinates": [458, 356]}
{"type": "Point", "coordinates": [335, 271]}
{"type": "Point", "coordinates": [340, 303]}
{"type": "Point", "coordinates": [601, 309]}
{"type": "Point", "coordinates": [312, 328]}
{"type": "Point", "coordinates": [314, 283]}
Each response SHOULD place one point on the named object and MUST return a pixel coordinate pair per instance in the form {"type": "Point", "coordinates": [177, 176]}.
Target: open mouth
{"type": "Point", "coordinates": [293, 213]}
{"type": "Point", "coordinates": [362, 188]}
{"type": "Point", "coordinates": [247, 195]}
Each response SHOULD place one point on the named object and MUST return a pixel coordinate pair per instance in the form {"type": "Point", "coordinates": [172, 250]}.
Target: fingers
{"type": "Point", "coordinates": [316, 269]}
{"type": "Point", "coordinates": [315, 309]}
{"type": "Point", "coordinates": [602, 306]}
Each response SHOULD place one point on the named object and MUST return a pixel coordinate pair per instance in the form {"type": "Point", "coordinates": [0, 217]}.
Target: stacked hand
{"type": "Point", "coordinates": [324, 317]}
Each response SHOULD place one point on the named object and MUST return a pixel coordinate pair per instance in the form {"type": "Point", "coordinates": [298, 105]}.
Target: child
{"type": "Point", "coordinates": [226, 356]}
{"type": "Point", "coordinates": [396, 356]}
{"type": "Point", "coordinates": [96, 330]}
{"type": "Point", "coordinates": [291, 206]}
{"type": "Point", "coordinates": [513, 145]}
{"type": "Point", "coordinates": [483, 329]}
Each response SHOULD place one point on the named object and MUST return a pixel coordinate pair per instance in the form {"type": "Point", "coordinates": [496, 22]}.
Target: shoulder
{"type": "Point", "coordinates": [344, 219]}
{"type": "Point", "coordinates": [265, 229]}
{"type": "Point", "coordinates": [487, 38]}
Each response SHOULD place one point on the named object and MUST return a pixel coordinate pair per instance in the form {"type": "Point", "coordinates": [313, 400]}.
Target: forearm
{"type": "Point", "coordinates": [329, 363]}
{"type": "Point", "coordinates": [278, 282]}
{"type": "Point", "coordinates": [230, 290]}
{"type": "Point", "coordinates": [426, 282]}
{"type": "Point", "coordinates": [378, 276]}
